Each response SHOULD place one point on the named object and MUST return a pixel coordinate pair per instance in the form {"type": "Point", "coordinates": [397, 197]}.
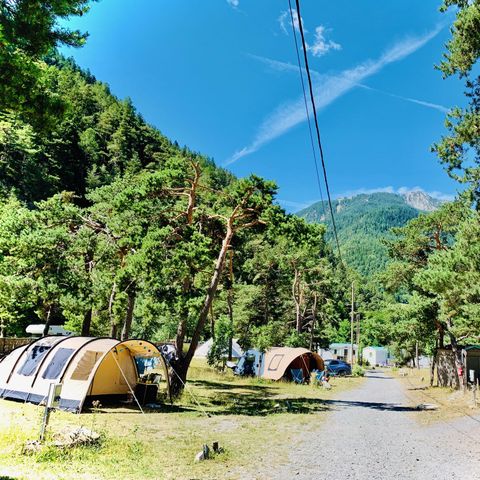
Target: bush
{"type": "Point", "coordinates": [218, 353]}
{"type": "Point", "coordinates": [358, 371]}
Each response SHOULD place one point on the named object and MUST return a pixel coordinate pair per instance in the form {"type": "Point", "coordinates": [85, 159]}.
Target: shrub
{"type": "Point", "coordinates": [358, 371]}
{"type": "Point", "coordinates": [218, 353]}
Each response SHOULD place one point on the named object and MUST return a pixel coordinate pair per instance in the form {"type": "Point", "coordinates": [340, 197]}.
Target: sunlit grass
{"type": "Point", "coordinates": [251, 418]}
{"type": "Point", "coordinates": [450, 403]}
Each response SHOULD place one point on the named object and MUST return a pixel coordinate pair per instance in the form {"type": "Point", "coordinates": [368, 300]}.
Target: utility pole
{"type": "Point", "coordinates": [359, 354]}
{"type": "Point", "coordinates": [352, 320]}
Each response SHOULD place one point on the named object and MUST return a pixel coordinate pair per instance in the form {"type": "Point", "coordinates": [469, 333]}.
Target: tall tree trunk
{"type": "Point", "coordinates": [442, 338]}
{"type": "Point", "coordinates": [48, 319]}
{"type": "Point", "coordinates": [432, 367]}
{"type": "Point", "coordinates": [87, 318]}
{"type": "Point", "coordinates": [182, 324]}
{"type": "Point", "coordinates": [179, 375]}
{"type": "Point", "coordinates": [127, 324]}
{"type": "Point", "coordinates": [87, 323]}
{"type": "Point", "coordinates": [113, 323]}
{"type": "Point", "coordinates": [296, 299]}
{"type": "Point", "coordinates": [230, 305]}
{"type": "Point", "coordinates": [230, 317]}
{"type": "Point", "coordinates": [314, 318]}
{"type": "Point", "coordinates": [457, 357]}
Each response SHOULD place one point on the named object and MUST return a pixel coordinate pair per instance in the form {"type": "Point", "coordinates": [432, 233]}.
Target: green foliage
{"type": "Point", "coordinates": [358, 371]}
{"type": "Point", "coordinates": [295, 339]}
{"type": "Point", "coordinates": [29, 29]}
{"type": "Point", "coordinates": [452, 278]}
{"type": "Point", "coordinates": [268, 335]}
{"type": "Point", "coordinates": [459, 151]}
{"type": "Point", "coordinates": [363, 221]}
{"type": "Point", "coordinates": [218, 353]}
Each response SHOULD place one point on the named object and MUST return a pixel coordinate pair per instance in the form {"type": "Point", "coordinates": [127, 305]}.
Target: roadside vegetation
{"type": "Point", "coordinates": [444, 404]}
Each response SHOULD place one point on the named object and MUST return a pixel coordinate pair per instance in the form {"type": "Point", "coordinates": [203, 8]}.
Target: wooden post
{"type": "Point", "coordinates": [46, 413]}
{"type": "Point", "coordinates": [416, 355]}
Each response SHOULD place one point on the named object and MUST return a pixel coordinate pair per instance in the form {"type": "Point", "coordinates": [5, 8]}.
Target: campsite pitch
{"type": "Point", "coordinates": [253, 420]}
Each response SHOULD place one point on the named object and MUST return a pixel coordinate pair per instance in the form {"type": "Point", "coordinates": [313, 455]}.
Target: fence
{"type": "Point", "coordinates": [9, 344]}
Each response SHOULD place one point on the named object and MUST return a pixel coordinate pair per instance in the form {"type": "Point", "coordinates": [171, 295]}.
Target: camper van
{"type": "Point", "coordinates": [36, 330]}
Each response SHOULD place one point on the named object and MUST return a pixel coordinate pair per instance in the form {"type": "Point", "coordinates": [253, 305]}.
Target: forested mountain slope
{"type": "Point", "coordinates": [364, 220]}
{"type": "Point", "coordinates": [111, 228]}
{"type": "Point", "coordinates": [92, 138]}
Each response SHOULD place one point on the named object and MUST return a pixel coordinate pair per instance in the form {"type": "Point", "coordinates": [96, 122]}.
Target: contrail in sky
{"type": "Point", "coordinates": [435, 106]}
{"type": "Point", "coordinates": [328, 88]}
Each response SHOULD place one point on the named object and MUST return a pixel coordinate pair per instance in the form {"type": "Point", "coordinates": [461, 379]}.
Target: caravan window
{"type": "Point", "coordinates": [85, 365]}
{"type": "Point", "coordinates": [57, 363]}
{"type": "Point", "coordinates": [34, 358]}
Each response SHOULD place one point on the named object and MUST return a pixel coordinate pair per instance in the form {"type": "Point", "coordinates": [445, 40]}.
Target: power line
{"type": "Point", "coordinates": [312, 98]}
{"type": "Point", "coordinates": [306, 110]}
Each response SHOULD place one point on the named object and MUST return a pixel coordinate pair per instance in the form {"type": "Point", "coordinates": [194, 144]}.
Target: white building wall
{"type": "Point", "coordinates": [375, 356]}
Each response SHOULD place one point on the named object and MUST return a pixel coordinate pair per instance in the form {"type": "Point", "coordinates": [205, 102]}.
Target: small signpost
{"type": "Point", "coordinates": [474, 382]}
{"type": "Point", "coordinates": [53, 401]}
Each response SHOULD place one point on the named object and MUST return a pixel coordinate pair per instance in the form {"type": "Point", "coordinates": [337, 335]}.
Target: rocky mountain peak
{"type": "Point", "coordinates": [421, 201]}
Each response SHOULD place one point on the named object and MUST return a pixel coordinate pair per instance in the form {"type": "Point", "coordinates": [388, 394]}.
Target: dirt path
{"type": "Point", "coordinates": [372, 435]}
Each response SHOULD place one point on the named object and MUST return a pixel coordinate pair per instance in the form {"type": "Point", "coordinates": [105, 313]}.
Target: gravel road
{"type": "Point", "coordinates": [372, 435]}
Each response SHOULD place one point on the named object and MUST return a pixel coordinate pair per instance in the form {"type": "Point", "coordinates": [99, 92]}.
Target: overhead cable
{"type": "Point", "coordinates": [307, 111]}
{"type": "Point", "coordinates": [314, 110]}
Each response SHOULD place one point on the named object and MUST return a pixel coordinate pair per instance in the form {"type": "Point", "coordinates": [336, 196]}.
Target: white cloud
{"type": "Point", "coordinates": [328, 89]}
{"type": "Point", "coordinates": [366, 191]}
{"type": "Point", "coordinates": [400, 191]}
{"type": "Point", "coordinates": [445, 197]}
{"type": "Point", "coordinates": [295, 205]}
{"type": "Point", "coordinates": [321, 45]}
{"type": "Point", "coordinates": [285, 21]}
{"type": "Point", "coordinates": [234, 3]}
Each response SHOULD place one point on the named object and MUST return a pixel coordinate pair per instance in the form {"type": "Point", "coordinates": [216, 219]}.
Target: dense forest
{"type": "Point", "coordinates": [109, 228]}
{"type": "Point", "coordinates": [363, 222]}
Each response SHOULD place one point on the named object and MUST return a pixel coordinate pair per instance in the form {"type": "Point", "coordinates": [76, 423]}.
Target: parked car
{"type": "Point", "coordinates": [338, 367]}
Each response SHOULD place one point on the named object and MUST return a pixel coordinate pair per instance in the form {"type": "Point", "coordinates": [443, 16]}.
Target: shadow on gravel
{"type": "Point", "coordinates": [393, 407]}
{"type": "Point", "coordinates": [382, 377]}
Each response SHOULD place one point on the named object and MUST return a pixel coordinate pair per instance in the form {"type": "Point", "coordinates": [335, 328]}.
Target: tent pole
{"type": "Point", "coordinates": [125, 378]}
{"type": "Point", "coordinates": [189, 391]}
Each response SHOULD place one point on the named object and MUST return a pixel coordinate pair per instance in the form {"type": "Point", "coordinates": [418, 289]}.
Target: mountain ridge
{"type": "Point", "coordinates": [365, 220]}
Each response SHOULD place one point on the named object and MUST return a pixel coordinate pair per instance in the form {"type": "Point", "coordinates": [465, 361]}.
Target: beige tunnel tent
{"type": "Point", "coordinates": [278, 362]}
{"type": "Point", "coordinates": [86, 367]}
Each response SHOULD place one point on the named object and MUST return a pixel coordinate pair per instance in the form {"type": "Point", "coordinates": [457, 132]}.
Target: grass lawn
{"type": "Point", "coordinates": [252, 419]}
{"type": "Point", "coordinates": [450, 403]}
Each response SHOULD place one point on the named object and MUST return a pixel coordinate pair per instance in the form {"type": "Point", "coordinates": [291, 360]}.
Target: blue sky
{"type": "Point", "coordinates": [220, 76]}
